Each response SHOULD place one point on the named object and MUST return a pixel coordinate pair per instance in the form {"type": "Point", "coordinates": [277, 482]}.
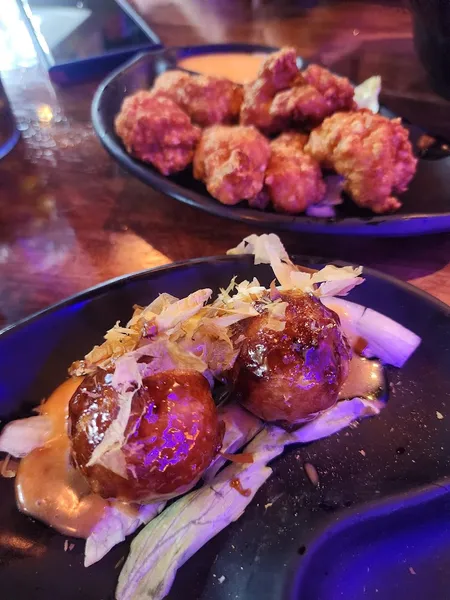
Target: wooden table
{"type": "Point", "coordinates": [71, 218]}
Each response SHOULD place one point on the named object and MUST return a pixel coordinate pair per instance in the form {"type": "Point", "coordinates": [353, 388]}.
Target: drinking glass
{"type": "Point", "coordinates": [9, 133]}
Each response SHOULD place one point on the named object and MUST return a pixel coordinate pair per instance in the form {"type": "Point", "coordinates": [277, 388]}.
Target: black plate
{"type": "Point", "coordinates": [289, 549]}
{"type": "Point", "coordinates": [426, 206]}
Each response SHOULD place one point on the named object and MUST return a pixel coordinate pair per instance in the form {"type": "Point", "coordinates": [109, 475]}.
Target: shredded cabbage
{"type": "Point", "coordinates": [108, 452]}
{"type": "Point", "coordinates": [333, 197]}
{"type": "Point", "coordinates": [127, 377]}
{"type": "Point", "coordinates": [385, 339]}
{"type": "Point", "coordinates": [182, 310]}
{"type": "Point", "coordinates": [162, 315]}
{"type": "Point", "coordinates": [329, 281]}
{"type": "Point", "coordinates": [21, 437]}
{"type": "Point", "coordinates": [337, 281]}
{"type": "Point", "coordinates": [367, 94]}
{"type": "Point", "coordinates": [265, 248]}
{"type": "Point", "coordinates": [117, 523]}
{"type": "Point", "coordinates": [240, 427]}
{"type": "Point", "coordinates": [276, 315]}
{"type": "Point", "coordinates": [161, 303]}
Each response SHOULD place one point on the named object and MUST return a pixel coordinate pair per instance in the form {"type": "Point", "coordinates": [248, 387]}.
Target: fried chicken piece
{"type": "Point", "coordinates": [338, 91]}
{"type": "Point", "coordinates": [294, 139]}
{"type": "Point", "coordinates": [300, 104]}
{"type": "Point", "coordinates": [157, 131]}
{"type": "Point", "coordinates": [207, 100]}
{"type": "Point", "coordinates": [277, 73]}
{"type": "Point", "coordinates": [315, 95]}
{"type": "Point", "coordinates": [231, 161]}
{"type": "Point", "coordinates": [372, 152]}
{"type": "Point", "coordinates": [293, 180]}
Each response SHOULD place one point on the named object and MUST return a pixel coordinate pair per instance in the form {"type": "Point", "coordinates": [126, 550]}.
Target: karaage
{"type": "Point", "coordinates": [231, 161]}
{"type": "Point", "coordinates": [372, 152]}
{"type": "Point", "coordinates": [207, 100]}
{"type": "Point", "coordinates": [300, 104]}
{"type": "Point", "coordinates": [157, 131]}
{"type": "Point", "coordinates": [277, 73]}
{"type": "Point", "coordinates": [338, 91]}
{"type": "Point", "coordinates": [293, 180]}
{"type": "Point", "coordinates": [315, 95]}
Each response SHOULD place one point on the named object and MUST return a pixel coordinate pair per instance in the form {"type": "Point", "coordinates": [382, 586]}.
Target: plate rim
{"type": "Point", "coordinates": [105, 286]}
{"type": "Point", "coordinates": [375, 225]}
{"type": "Point", "coordinates": [372, 510]}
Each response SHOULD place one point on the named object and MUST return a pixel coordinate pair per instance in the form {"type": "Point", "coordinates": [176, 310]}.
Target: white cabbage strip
{"type": "Point", "coordinates": [367, 93]}
{"type": "Point", "coordinates": [20, 437]}
{"type": "Point", "coordinates": [387, 340]}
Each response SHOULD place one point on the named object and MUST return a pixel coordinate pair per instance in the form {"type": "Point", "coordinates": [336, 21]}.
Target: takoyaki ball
{"type": "Point", "coordinates": [172, 435]}
{"type": "Point", "coordinates": [290, 376]}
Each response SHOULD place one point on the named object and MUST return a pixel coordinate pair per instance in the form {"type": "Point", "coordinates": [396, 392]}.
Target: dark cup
{"type": "Point", "coordinates": [9, 133]}
{"type": "Point", "coordinates": [431, 21]}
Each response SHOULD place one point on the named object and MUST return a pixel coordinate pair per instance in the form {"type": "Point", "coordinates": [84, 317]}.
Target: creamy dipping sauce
{"type": "Point", "coordinates": [48, 487]}
{"type": "Point", "coordinates": [238, 67]}
{"type": "Point", "coordinates": [365, 380]}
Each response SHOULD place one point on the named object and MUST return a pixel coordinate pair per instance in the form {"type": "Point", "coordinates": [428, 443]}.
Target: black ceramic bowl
{"type": "Point", "coordinates": [376, 515]}
{"type": "Point", "coordinates": [426, 207]}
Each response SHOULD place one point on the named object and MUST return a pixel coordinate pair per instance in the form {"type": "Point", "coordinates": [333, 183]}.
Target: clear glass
{"type": "Point", "coordinates": [9, 134]}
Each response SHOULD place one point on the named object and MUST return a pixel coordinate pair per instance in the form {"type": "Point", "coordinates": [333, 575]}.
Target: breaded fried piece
{"type": "Point", "coordinates": [293, 139]}
{"type": "Point", "coordinates": [300, 104]}
{"type": "Point", "coordinates": [315, 95]}
{"type": "Point", "coordinates": [338, 91]}
{"type": "Point", "coordinates": [293, 180]}
{"type": "Point", "coordinates": [157, 131]}
{"type": "Point", "coordinates": [207, 100]}
{"type": "Point", "coordinates": [277, 73]}
{"type": "Point", "coordinates": [231, 161]}
{"type": "Point", "coordinates": [372, 152]}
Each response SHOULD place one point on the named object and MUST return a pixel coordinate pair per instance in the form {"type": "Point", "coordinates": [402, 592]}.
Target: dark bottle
{"type": "Point", "coordinates": [431, 22]}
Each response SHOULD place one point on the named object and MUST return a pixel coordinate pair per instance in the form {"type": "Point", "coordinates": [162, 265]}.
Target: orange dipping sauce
{"type": "Point", "coordinates": [48, 487]}
{"type": "Point", "coordinates": [239, 67]}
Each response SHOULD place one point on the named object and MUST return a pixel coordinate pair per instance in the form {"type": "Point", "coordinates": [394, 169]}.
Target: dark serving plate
{"type": "Point", "coordinates": [426, 207]}
{"type": "Point", "coordinates": [374, 515]}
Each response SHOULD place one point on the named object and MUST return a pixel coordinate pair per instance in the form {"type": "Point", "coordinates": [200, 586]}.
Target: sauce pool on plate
{"type": "Point", "coordinates": [237, 67]}
{"type": "Point", "coordinates": [365, 380]}
{"type": "Point", "coordinates": [47, 486]}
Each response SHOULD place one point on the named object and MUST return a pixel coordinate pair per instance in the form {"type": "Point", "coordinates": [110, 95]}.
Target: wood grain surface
{"type": "Point", "coordinates": [70, 218]}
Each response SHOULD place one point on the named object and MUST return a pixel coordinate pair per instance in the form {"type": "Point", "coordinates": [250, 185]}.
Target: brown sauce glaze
{"type": "Point", "coordinates": [237, 485]}
{"type": "Point", "coordinates": [172, 435]}
{"type": "Point", "coordinates": [365, 379]}
{"type": "Point", "coordinates": [288, 376]}
{"type": "Point", "coordinates": [244, 458]}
